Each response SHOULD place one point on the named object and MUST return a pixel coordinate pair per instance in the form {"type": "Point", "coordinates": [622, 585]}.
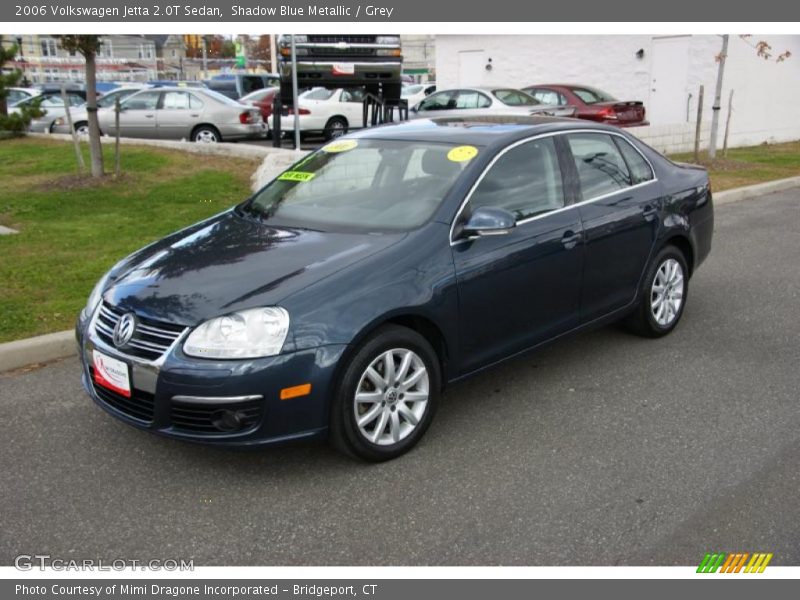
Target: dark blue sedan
{"type": "Point", "coordinates": [341, 298]}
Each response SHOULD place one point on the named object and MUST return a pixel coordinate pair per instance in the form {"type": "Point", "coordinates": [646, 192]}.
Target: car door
{"type": "Point", "coordinates": [178, 114]}
{"type": "Point", "coordinates": [521, 288]}
{"type": "Point", "coordinates": [620, 213]}
{"type": "Point", "coordinates": [137, 117]}
{"type": "Point", "coordinates": [351, 105]}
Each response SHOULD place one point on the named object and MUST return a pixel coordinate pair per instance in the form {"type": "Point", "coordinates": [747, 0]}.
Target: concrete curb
{"type": "Point", "coordinates": [39, 349]}
{"type": "Point", "coordinates": [759, 189]}
{"type": "Point", "coordinates": [43, 348]}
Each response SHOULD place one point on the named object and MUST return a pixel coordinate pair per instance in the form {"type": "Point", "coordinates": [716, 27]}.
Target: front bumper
{"type": "Point", "coordinates": [178, 396]}
{"type": "Point", "coordinates": [344, 71]}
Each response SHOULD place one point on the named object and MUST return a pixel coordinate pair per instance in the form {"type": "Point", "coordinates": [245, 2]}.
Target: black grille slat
{"type": "Point", "coordinates": [199, 417]}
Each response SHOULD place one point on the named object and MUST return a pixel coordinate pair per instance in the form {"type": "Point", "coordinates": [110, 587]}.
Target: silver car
{"type": "Point", "coordinates": [474, 101]}
{"type": "Point", "coordinates": [52, 107]}
{"type": "Point", "coordinates": [78, 115]}
{"type": "Point", "coordinates": [196, 114]}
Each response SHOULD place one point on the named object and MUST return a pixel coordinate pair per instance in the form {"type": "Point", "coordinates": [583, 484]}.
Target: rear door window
{"type": "Point", "coordinates": [601, 168]}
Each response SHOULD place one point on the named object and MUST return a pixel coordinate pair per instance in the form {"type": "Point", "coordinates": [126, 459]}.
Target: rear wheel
{"type": "Point", "coordinates": [82, 129]}
{"type": "Point", "coordinates": [663, 295]}
{"type": "Point", "coordinates": [335, 127]}
{"type": "Point", "coordinates": [206, 134]}
{"type": "Point", "coordinates": [387, 396]}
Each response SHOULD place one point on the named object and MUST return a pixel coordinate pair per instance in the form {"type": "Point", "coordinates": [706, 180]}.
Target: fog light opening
{"type": "Point", "coordinates": [228, 420]}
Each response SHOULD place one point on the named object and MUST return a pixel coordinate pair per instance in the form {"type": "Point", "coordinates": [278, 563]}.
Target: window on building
{"type": "Point", "coordinates": [49, 47]}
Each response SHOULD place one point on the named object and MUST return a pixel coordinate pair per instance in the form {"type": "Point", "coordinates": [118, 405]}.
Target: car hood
{"type": "Point", "coordinates": [230, 263]}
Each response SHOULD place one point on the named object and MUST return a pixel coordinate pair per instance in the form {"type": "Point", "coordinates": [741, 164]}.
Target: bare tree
{"type": "Point", "coordinates": [88, 45]}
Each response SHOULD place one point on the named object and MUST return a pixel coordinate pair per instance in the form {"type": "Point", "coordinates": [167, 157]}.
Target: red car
{"type": "Point", "coordinates": [591, 104]}
{"type": "Point", "coordinates": [262, 99]}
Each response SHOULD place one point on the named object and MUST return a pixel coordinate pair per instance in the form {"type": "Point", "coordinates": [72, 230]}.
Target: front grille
{"type": "Point", "coordinates": [150, 340]}
{"type": "Point", "coordinates": [140, 406]}
{"type": "Point", "coordinates": [205, 418]}
{"type": "Point", "coordinates": [347, 39]}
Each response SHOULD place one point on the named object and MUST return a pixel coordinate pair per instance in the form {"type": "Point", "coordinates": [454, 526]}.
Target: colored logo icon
{"type": "Point", "coordinates": [734, 562]}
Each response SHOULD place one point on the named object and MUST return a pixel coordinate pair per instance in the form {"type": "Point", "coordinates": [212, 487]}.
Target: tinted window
{"type": "Point", "coordinates": [440, 101]}
{"type": "Point", "coordinates": [548, 97]}
{"type": "Point", "coordinates": [592, 96]}
{"type": "Point", "coordinates": [251, 83]}
{"type": "Point", "coordinates": [142, 101]}
{"type": "Point", "coordinates": [525, 181]}
{"type": "Point", "coordinates": [471, 99]}
{"type": "Point", "coordinates": [637, 165]}
{"type": "Point", "coordinates": [601, 168]}
{"type": "Point", "coordinates": [515, 98]}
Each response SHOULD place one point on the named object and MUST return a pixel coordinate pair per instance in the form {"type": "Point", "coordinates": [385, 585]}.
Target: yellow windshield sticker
{"type": "Point", "coordinates": [462, 153]}
{"type": "Point", "coordinates": [340, 146]}
{"type": "Point", "coordinates": [296, 176]}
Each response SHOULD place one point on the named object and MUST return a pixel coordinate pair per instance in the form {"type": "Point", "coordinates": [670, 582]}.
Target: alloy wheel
{"type": "Point", "coordinates": [666, 293]}
{"type": "Point", "coordinates": [206, 136]}
{"type": "Point", "coordinates": [391, 397]}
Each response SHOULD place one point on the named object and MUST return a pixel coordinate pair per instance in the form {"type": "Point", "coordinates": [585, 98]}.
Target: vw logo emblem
{"type": "Point", "coordinates": [124, 329]}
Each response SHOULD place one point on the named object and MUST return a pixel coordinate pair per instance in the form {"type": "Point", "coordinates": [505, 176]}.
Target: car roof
{"type": "Point", "coordinates": [476, 130]}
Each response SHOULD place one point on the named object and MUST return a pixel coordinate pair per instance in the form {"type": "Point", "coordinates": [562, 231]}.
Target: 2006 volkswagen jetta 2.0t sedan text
{"type": "Point", "coordinates": [340, 299]}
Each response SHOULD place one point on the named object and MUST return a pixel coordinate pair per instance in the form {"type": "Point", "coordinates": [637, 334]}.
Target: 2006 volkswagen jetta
{"type": "Point", "coordinates": [339, 299]}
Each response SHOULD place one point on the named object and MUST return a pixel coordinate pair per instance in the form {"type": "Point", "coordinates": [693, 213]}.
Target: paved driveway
{"type": "Point", "coordinates": [603, 449]}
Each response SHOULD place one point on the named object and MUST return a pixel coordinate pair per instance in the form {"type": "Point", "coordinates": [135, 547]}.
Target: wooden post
{"type": "Point", "coordinates": [727, 125]}
{"type": "Point", "coordinates": [75, 142]}
{"type": "Point", "coordinates": [699, 124]}
{"type": "Point", "coordinates": [116, 140]}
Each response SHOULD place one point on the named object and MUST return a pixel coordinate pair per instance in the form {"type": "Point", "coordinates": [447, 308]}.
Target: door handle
{"type": "Point", "coordinates": [570, 239]}
{"type": "Point", "coordinates": [149, 116]}
{"type": "Point", "coordinates": [649, 212]}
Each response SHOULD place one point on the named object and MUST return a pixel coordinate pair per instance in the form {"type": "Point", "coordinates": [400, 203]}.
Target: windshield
{"type": "Point", "coordinates": [592, 95]}
{"type": "Point", "coordinates": [363, 186]}
{"type": "Point", "coordinates": [515, 98]}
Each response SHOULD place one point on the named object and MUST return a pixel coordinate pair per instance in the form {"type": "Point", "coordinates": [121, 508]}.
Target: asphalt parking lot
{"type": "Point", "coordinates": [604, 449]}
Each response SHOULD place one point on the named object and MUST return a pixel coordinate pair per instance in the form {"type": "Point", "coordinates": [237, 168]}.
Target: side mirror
{"type": "Point", "coordinates": [488, 220]}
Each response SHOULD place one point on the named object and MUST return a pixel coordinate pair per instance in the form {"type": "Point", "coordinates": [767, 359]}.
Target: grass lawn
{"type": "Point", "coordinates": [73, 230]}
{"type": "Point", "coordinates": [747, 166]}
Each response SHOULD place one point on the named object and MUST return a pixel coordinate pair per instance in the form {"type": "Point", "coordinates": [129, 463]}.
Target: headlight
{"type": "Point", "coordinates": [94, 297]}
{"type": "Point", "coordinates": [388, 39]}
{"type": "Point", "coordinates": [249, 333]}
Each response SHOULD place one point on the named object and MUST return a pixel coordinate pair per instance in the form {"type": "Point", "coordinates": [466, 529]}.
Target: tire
{"type": "Point", "coordinates": [206, 134]}
{"type": "Point", "coordinates": [335, 127]}
{"type": "Point", "coordinates": [397, 423]}
{"type": "Point", "coordinates": [658, 313]}
{"type": "Point", "coordinates": [82, 128]}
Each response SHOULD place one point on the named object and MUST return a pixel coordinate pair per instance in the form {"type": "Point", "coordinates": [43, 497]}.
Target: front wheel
{"type": "Point", "coordinates": [387, 396]}
{"type": "Point", "coordinates": [82, 129]}
{"type": "Point", "coordinates": [663, 295]}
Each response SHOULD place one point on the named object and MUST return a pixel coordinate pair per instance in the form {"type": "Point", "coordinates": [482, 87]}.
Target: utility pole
{"type": "Point", "coordinates": [205, 57]}
{"type": "Point", "coordinates": [712, 144]}
{"type": "Point", "coordinates": [273, 54]}
{"type": "Point", "coordinates": [294, 99]}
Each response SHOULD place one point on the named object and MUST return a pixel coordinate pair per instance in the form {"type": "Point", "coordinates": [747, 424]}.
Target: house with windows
{"type": "Point", "coordinates": [170, 55]}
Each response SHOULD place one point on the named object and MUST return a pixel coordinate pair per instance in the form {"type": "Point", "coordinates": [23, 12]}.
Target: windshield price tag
{"type": "Point", "coordinates": [340, 146]}
{"type": "Point", "coordinates": [462, 153]}
{"type": "Point", "coordinates": [296, 176]}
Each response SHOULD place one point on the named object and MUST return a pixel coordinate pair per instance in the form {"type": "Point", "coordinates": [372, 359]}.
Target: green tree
{"type": "Point", "coordinates": [16, 122]}
{"type": "Point", "coordinates": [87, 46]}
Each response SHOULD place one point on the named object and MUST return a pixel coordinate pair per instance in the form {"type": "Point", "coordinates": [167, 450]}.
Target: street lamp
{"type": "Point", "coordinates": [22, 61]}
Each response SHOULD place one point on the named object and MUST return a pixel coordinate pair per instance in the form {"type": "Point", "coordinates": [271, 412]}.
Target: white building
{"type": "Point", "coordinates": [665, 72]}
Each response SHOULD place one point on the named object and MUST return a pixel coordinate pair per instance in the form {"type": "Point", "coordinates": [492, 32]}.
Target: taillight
{"type": "Point", "coordinates": [607, 113]}
{"type": "Point", "coordinates": [248, 117]}
{"type": "Point", "coordinates": [300, 111]}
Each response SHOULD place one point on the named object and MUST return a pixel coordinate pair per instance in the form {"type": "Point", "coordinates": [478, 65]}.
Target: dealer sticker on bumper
{"type": "Point", "coordinates": [111, 374]}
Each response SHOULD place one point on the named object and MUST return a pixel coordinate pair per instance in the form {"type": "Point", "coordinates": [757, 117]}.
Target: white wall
{"type": "Point", "coordinates": [765, 98]}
